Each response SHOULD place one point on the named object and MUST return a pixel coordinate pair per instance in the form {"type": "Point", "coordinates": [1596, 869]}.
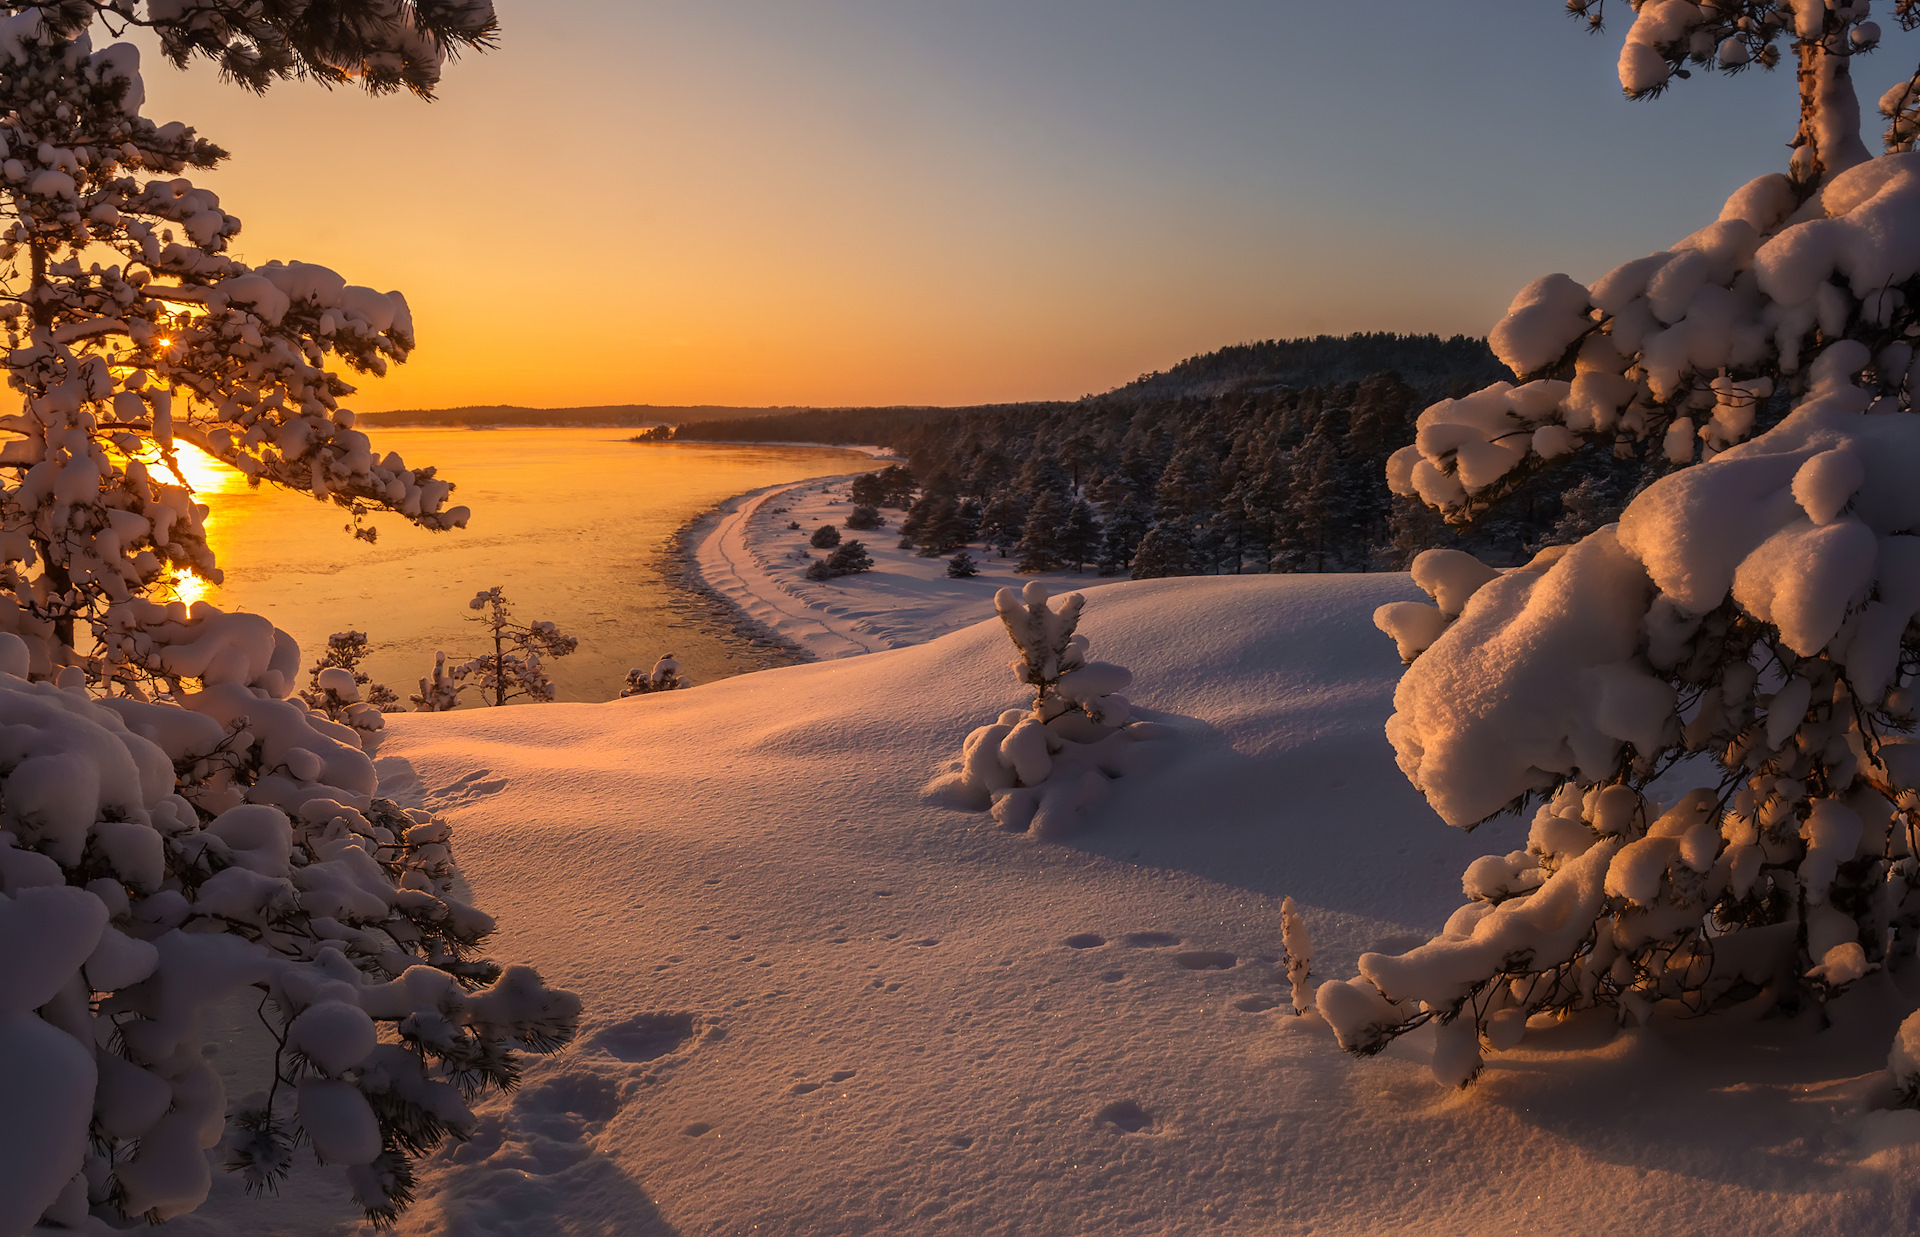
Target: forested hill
{"type": "Point", "coordinates": [1432, 366]}
{"type": "Point", "coordinates": [1259, 457]}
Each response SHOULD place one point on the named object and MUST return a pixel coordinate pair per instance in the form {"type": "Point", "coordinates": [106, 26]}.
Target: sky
{"type": "Point", "coordinates": [897, 202]}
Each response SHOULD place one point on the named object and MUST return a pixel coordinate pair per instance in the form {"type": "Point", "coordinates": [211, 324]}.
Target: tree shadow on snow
{"type": "Point", "coordinates": [1325, 817]}
{"type": "Point", "coordinates": [1774, 1104]}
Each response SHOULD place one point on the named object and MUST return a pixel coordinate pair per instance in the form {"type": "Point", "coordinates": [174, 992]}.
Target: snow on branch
{"type": "Point", "coordinates": [1753, 614]}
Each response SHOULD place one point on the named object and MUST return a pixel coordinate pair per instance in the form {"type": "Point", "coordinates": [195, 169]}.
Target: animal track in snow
{"type": "Point", "coordinates": [1255, 1004]}
{"type": "Point", "coordinates": [1085, 940]}
{"type": "Point", "coordinates": [1126, 1116]}
{"type": "Point", "coordinates": [1150, 940]}
{"type": "Point", "coordinates": [1205, 959]}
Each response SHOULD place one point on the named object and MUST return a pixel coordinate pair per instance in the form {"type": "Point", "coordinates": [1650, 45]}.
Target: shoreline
{"type": "Point", "coordinates": [696, 596]}
{"type": "Point", "coordinates": [869, 450]}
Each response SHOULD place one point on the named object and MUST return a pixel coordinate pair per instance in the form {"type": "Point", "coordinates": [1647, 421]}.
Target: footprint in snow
{"type": "Point", "coordinates": [1085, 940]}
{"type": "Point", "coordinates": [1126, 1116]}
{"type": "Point", "coordinates": [1205, 959]}
{"type": "Point", "coordinates": [475, 785]}
{"type": "Point", "coordinates": [645, 1037]}
{"type": "Point", "coordinates": [808, 1088]}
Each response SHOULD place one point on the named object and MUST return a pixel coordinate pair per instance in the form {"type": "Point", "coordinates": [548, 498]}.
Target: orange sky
{"type": "Point", "coordinates": [852, 202]}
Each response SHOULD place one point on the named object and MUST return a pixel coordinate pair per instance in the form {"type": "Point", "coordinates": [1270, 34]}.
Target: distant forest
{"type": "Point", "coordinates": [500, 415]}
{"type": "Point", "coordinates": [1255, 458]}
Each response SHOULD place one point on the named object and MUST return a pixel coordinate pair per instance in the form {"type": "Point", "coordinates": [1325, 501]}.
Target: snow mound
{"type": "Point", "coordinates": [815, 1002]}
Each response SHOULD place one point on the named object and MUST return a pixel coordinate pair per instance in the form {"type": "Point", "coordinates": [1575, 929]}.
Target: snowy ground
{"type": "Point", "coordinates": [819, 1004]}
{"type": "Point", "coordinates": [749, 555]}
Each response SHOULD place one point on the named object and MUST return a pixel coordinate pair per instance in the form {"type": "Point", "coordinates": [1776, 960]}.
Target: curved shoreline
{"type": "Point", "coordinates": [701, 600]}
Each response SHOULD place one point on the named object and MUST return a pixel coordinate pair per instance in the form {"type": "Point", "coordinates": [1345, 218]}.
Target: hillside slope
{"type": "Point", "coordinates": [818, 1003]}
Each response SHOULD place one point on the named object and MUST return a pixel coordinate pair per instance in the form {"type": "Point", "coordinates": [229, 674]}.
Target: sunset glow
{"type": "Point", "coordinates": [986, 202]}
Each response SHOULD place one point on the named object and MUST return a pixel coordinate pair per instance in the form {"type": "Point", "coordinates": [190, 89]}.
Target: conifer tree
{"type": "Point", "coordinates": [1753, 607]}
{"type": "Point", "coordinates": [1166, 550]}
{"type": "Point", "coordinates": [1126, 523]}
{"type": "Point", "coordinates": [1040, 544]}
{"type": "Point", "coordinates": [1079, 541]}
{"type": "Point", "coordinates": [514, 667]}
{"type": "Point", "coordinates": [221, 837]}
{"type": "Point", "coordinates": [1004, 522]}
{"type": "Point", "coordinates": [665, 676]}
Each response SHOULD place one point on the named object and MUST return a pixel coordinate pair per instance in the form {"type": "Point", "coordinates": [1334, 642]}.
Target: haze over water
{"type": "Point", "coordinates": [572, 523]}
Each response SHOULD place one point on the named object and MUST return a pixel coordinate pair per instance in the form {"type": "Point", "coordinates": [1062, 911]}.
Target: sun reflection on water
{"type": "Point", "coordinates": [206, 477]}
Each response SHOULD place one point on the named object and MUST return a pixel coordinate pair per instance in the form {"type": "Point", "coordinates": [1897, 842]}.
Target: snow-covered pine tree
{"type": "Point", "coordinates": [338, 688]}
{"type": "Point", "coordinates": [962, 567]}
{"type": "Point", "coordinates": [515, 667]}
{"type": "Point", "coordinates": [824, 537]}
{"type": "Point", "coordinates": [1042, 767]}
{"type": "Point", "coordinates": [848, 559]}
{"type": "Point", "coordinates": [1751, 612]}
{"type": "Point", "coordinates": [863, 518]}
{"type": "Point", "coordinates": [160, 856]}
{"type": "Point", "coordinates": [664, 677]}
{"type": "Point", "coordinates": [131, 326]}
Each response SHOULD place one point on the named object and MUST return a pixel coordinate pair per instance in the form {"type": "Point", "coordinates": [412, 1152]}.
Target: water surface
{"type": "Point", "coordinates": [572, 523]}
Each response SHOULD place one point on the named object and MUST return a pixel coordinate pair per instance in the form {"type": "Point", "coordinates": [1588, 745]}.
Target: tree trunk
{"type": "Point", "coordinates": [1828, 141]}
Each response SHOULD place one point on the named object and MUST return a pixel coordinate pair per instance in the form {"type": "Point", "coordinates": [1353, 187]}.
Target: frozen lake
{"type": "Point", "coordinates": [571, 522]}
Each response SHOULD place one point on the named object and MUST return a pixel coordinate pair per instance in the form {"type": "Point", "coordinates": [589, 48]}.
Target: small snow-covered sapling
{"type": "Point", "coordinates": [1042, 767]}
{"type": "Point", "coordinates": [1293, 937]}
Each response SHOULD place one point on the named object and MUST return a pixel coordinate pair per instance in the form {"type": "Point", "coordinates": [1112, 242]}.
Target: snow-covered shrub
{"type": "Point", "coordinates": [1751, 614]}
{"type": "Point", "coordinates": [962, 567]}
{"type": "Point", "coordinates": [438, 691]}
{"type": "Point", "coordinates": [664, 677]}
{"type": "Point", "coordinates": [157, 858]}
{"type": "Point", "coordinates": [851, 557]}
{"type": "Point", "coordinates": [864, 518]}
{"type": "Point", "coordinates": [514, 667]}
{"type": "Point", "coordinates": [824, 537]}
{"type": "Point", "coordinates": [1041, 768]}
{"type": "Point", "coordinates": [338, 687]}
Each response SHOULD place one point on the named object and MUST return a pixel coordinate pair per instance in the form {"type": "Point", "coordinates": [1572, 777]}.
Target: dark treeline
{"type": "Point", "coordinates": [832, 426]}
{"type": "Point", "coordinates": [1217, 466]}
{"type": "Point", "coordinates": [1429, 364]}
